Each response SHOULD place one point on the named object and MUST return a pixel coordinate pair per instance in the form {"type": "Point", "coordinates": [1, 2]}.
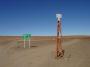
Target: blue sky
{"type": "Point", "coordinates": [38, 17]}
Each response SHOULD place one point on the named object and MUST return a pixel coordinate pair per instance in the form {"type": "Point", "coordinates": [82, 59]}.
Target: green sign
{"type": "Point", "coordinates": [26, 36]}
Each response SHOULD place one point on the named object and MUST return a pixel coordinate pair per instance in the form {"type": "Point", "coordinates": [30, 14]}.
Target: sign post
{"type": "Point", "coordinates": [59, 50]}
{"type": "Point", "coordinates": [29, 43]}
{"type": "Point", "coordinates": [29, 40]}
{"type": "Point", "coordinates": [26, 37]}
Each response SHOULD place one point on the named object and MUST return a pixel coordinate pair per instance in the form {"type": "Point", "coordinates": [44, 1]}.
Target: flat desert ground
{"type": "Point", "coordinates": [42, 52]}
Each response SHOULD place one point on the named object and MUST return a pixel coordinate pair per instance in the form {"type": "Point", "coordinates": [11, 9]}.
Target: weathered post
{"type": "Point", "coordinates": [59, 50]}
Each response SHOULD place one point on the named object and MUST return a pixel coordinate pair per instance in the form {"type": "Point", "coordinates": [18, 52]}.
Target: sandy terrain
{"type": "Point", "coordinates": [42, 52]}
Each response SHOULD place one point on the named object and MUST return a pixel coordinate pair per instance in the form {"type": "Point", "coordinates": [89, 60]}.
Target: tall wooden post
{"type": "Point", "coordinates": [59, 50]}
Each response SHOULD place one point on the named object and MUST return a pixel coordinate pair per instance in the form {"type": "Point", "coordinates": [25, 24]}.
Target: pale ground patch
{"type": "Point", "coordinates": [43, 55]}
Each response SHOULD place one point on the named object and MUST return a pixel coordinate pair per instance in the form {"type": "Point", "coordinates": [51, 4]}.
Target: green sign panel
{"type": "Point", "coordinates": [26, 36]}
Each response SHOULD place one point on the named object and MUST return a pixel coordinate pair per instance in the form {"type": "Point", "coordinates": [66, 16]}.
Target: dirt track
{"type": "Point", "coordinates": [42, 54]}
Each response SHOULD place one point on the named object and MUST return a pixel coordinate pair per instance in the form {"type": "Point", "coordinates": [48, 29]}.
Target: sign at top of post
{"type": "Point", "coordinates": [58, 16]}
{"type": "Point", "coordinates": [26, 36]}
